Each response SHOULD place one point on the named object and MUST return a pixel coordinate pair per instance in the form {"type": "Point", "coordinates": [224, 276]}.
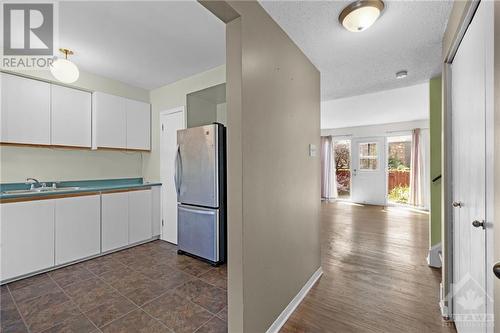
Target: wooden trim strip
{"type": "Point", "coordinates": [48, 197]}
{"type": "Point", "coordinates": [123, 149]}
{"type": "Point", "coordinates": [24, 144]}
{"type": "Point", "coordinates": [15, 144]}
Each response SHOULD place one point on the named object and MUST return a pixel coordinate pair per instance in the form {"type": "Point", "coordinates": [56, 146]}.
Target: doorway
{"type": "Point", "coordinates": [398, 169]}
{"type": "Point", "coordinates": [170, 122]}
{"type": "Point", "coordinates": [368, 171]}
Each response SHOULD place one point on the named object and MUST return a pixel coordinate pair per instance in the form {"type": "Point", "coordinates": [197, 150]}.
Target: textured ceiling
{"type": "Point", "coordinates": [147, 44]}
{"type": "Point", "coordinates": [407, 36]}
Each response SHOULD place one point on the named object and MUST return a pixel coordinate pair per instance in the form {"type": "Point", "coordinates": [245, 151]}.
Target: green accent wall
{"type": "Point", "coordinates": [435, 119]}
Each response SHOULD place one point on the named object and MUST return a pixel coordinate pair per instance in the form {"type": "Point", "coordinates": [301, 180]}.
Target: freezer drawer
{"type": "Point", "coordinates": [198, 231]}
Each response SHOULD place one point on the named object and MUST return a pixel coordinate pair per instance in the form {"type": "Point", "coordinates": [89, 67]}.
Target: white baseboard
{"type": "Point", "coordinates": [285, 314]}
{"type": "Point", "coordinates": [434, 258]}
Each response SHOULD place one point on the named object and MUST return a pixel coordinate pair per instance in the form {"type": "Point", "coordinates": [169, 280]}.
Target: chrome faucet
{"type": "Point", "coordinates": [34, 182]}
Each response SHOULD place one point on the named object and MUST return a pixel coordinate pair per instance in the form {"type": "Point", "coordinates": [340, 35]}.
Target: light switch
{"type": "Point", "coordinates": [312, 150]}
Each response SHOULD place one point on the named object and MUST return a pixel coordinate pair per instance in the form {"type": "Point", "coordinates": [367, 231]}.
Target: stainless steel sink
{"type": "Point", "coordinates": [42, 189]}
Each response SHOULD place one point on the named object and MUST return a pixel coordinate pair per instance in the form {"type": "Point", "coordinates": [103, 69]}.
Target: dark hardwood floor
{"type": "Point", "coordinates": [376, 278]}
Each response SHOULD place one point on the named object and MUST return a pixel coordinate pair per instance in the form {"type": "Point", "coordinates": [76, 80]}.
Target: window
{"type": "Point", "coordinates": [368, 156]}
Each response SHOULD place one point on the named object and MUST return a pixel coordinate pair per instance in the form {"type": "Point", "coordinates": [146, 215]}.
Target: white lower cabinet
{"type": "Point", "coordinates": [114, 217]}
{"type": "Point", "coordinates": [78, 231]}
{"type": "Point", "coordinates": [40, 234]}
{"type": "Point", "coordinates": [156, 210]}
{"type": "Point", "coordinates": [27, 237]}
{"type": "Point", "coordinates": [140, 206]}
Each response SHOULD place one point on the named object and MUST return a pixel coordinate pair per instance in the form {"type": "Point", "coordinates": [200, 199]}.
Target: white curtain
{"type": "Point", "coordinates": [328, 172]}
{"type": "Point", "coordinates": [419, 175]}
{"type": "Point", "coordinates": [425, 154]}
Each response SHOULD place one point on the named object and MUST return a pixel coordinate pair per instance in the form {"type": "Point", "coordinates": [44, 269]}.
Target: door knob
{"type": "Point", "coordinates": [458, 204]}
{"type": "Point", "coordinates": [496, 270]}
{"type": "Point", "coordinates": [478, 224]}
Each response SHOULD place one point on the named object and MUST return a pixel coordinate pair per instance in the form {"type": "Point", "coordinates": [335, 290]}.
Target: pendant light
{"type": "Point", "coordinates": [63, 69]}
{"type": "Point", "coordinates": [360, 15]}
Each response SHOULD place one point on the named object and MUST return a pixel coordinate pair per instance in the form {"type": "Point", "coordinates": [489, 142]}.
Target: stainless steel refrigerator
{"type": "Point", "coordinates": [200, 180]}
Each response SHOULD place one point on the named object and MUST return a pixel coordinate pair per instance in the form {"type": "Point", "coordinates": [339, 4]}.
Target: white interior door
{"type": "Point", "coordinates": [368, 170]}
{"type": "Point", "coordinates": [170, 121]}
{"type": "Point", "coordinates": [469, 179]}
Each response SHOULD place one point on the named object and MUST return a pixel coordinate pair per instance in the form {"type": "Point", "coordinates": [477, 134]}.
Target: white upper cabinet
{"type": "Point", "coordinates": [25, 110]}
{"type": "Point", "coordinates": [41, 113]}
{"type": "Point", "coordinates": [111, 121]}
{"type": "Point", "coordinates": [138, 124]}
{"type": "Point", "coordinates": [121, 123]}
{"type": "Point", "coordinates": [71, 117]}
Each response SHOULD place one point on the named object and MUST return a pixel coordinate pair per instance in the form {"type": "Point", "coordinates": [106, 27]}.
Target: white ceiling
{"type": "Point", "coordinates": [407, 36]}
{"type": "Point", "coordinates": [146, 44]}
{"type": "Point", "coordinates": [383, 107]}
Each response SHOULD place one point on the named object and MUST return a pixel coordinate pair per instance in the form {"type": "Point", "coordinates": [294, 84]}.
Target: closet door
{"type": "Point", "coordinates": [469, 177]}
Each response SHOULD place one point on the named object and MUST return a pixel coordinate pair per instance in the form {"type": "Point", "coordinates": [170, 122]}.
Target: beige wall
{"type": "Point", "coordinates": [17, 163]}
{"type": "Point", "coordinates": [234, 176]}
{"type": "Point", "coordinates": [273, 109]}
{"type": "Point", "coordinates": [169, 97]}
{"type": "Point", "coordinates": [200, 111]}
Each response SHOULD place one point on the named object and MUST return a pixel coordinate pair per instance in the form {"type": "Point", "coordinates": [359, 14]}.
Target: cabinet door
{"type": "Point", "coordinates": [138, 124]}
{"type": "Point", "coordinates": [27, 237]}
{"type": "Point", "coordinates": [114, 220]}
{"type": "Point", "coordinates": [25, 110]}
{"type": "Point", "coordinates": [111, 121]}
{"type": "Point", "coordinates": [156, 210]}
{"type": "Point", "coordinates": [139, 216]}
{"type": "Point", "coordinates": [77, 228]}
{"type": "Point", "coordinates": [71, 117]}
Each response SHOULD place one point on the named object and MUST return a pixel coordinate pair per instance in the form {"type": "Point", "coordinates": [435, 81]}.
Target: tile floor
{"type": "Point", "coordinates": [147, 288]}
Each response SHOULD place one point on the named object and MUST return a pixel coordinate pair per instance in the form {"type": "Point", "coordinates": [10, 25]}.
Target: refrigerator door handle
{"type": "Point", "coordinates": [178, 171]}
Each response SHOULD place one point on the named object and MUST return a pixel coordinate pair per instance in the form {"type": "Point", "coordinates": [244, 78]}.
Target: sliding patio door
{"type": "Point", "coordinates": [368, 171]}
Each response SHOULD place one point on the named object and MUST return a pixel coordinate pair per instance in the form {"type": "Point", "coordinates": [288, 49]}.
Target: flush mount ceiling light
{"type": "Point", "coordinates": [401, 74]}
{"type": "Point", "coordinates": [360, 15]}
{"type": "Point", "coordinates": [63, 69]}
